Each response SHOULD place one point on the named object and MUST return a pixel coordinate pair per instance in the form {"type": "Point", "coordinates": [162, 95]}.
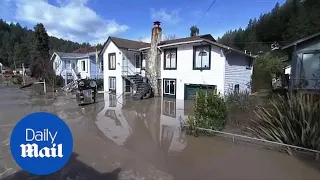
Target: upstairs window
{"type": "Point", "coordinates": [170, 59]}
{"type": "Point", "coordinates": [112, 61]}
{"type": "Point", "coordinates": [83, 65]}
{"type": "Point", "coordinates": [202, 57]}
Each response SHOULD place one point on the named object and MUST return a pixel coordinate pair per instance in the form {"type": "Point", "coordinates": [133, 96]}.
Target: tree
{"type": "Point", "coordinates": [266, 66]}
{"type": "Point", "coordinates": [21, 54]}
{"type": "Point", "coordinates": [194, 31]}
{"type": "Point", "coordinates": [42, 43]}
{"type": "Point", "coordinates": [284, 24]}
{"type": "Point", "coordinates": [40, 62]}
{"type": "Point", "coordinates": [13, 34]}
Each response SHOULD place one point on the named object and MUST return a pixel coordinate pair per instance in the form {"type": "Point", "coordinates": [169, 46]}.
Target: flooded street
{"type": "Point", "coordinates": [115, 139]}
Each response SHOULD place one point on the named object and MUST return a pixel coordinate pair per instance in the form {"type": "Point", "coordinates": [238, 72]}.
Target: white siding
{"type": "Point", "coordinates": [186, 75]}
{"type": "Point", "coordinates": [129, 62]}
{"type": "Point", "coordinates": [236, 72]}
{"type": "Point", "coordinates": [112, 48]}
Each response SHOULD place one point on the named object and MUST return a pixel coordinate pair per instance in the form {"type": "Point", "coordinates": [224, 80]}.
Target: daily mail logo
{"type": "Point", "coordinates": [38, 139]}
{"type": "Point", "coordinates": [32, 150]}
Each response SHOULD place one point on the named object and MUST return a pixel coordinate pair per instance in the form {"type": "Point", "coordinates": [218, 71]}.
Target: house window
{"type": "Point", "coordinates": [169, 87]}
{"type": "Point", "coordinates": [112, 84]}
{"type": "Point", "coordinates": [127, 86]}
{"type": "Point", "coordinates": [169, 108]}
{"type": "Point", "coordinates": [138, 61]}
{"type": "Point", "coordinates": [202, 57]}
{"type": "Point", "coordinates": [112, 61]}
{"type": "Point", "coordinates": [236, 88]}
{"type": "Point", "coordinates": [170, 59]}
{"type": "Point", "coordinates": [83, 65]}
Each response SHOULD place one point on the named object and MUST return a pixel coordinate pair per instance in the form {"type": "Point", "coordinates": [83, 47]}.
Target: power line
{"type": "Point", "coordinates": [206, 12]}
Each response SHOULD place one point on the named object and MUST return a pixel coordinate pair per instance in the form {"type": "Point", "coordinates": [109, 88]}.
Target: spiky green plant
{"type": "Point", "coordinates": [292, 119]}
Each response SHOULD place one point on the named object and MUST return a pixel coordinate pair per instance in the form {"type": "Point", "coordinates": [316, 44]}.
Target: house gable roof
{"type": "Point", "coordinates": [301, 40]}
{"type": "Point", "coordinates": [137, 45]}
{"type": "Point", "coordinates": [125, 44]}
{"type": "Point", "coordinates": [187, 39]}
{"type": "Point", "coordinates": [128, 44]}
{"type": "Point", "coordinates": [63, 55]}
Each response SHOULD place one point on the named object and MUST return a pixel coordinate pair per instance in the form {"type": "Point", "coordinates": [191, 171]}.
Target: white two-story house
{"type": "Point", "coordinates": [186, 65]}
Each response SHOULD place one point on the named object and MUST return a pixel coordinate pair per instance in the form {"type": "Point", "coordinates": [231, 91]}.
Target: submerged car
{"type": "Point", "coordinates": [86, 91]}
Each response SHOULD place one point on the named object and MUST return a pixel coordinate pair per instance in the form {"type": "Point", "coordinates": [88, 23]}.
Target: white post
{"type": "Point", "coordinates": [44, 87]}
{"type": "Point", "coordinates": [23, 73]}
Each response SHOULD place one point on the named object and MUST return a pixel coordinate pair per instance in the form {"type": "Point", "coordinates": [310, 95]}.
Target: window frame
{"type": "Point", "coordinates": [115, 59]}
{"type": "Point", "coordinates": [81, 65]}
{"type": "Point", "coordinates": [135, 60]}
{"type": "Point", "coordinates": [194, 57]}
{"type": "Point", "coordinates": [175, 87]}
{"type": "Point", "coordinates": [115, 84]}
{"type": "Point", "coordinates": [165, 59]}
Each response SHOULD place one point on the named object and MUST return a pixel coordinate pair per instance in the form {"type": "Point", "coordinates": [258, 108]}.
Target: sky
{"type": "Point", "coordinates": [93, 21]}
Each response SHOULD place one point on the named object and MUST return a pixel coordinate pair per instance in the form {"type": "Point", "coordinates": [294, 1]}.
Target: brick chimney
{"type": "Point", "coordinates": [153, 63]}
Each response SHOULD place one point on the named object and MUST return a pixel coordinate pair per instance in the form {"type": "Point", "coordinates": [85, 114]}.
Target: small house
{"type": "Point", "coordinates": [304, 57]}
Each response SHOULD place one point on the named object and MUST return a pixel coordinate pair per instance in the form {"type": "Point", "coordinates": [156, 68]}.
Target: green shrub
{"type": "Point", "coordinates": [210, 111]}
{"type": "Point", "coordinates": [293, 119]}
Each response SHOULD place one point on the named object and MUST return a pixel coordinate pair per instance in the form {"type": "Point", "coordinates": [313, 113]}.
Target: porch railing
{"type": "Point", "coordinates": [127, 71]}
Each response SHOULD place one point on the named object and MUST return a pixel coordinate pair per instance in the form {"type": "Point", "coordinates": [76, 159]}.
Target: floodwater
{"type": "Point", "coordinates": [118, 139]}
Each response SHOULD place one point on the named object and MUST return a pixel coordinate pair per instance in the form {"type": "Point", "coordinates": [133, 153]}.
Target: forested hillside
{"type": "Point", "coordinates": [284, 24]}
{"type": "Point", "coordinates": [17, 44]}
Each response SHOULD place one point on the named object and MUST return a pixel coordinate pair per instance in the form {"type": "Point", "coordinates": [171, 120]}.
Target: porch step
{"type": "Point", "coordinates": [143, 89]}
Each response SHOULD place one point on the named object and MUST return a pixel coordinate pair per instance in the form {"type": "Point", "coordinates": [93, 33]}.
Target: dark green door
{"type": "Point", "coordinates": [192, 89]}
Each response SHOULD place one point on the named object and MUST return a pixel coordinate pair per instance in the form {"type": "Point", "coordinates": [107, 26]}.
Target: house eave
{"type": "Point", "coordinates": [180, 43]}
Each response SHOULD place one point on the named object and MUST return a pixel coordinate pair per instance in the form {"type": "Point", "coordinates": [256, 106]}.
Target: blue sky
{"type": "Point", "coordinates": [94, 20]}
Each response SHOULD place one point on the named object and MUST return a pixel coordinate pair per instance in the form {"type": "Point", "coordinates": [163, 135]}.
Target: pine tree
{"type": "Point", "coordinates": [194, 31]}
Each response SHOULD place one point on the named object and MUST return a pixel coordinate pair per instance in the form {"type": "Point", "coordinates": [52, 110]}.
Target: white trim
{"type": "Point", "coordinates": [53, 55]}
{"type": "Point", "coordinates": [175, 86]}
{"type": "Point", "coordinates": [179, 43]}
{"type": "Point", "coordinates": [86, 65]}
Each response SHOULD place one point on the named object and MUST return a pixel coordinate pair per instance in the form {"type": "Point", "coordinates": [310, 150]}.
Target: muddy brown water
{"type": "Point", "coordinates": [120, 139]}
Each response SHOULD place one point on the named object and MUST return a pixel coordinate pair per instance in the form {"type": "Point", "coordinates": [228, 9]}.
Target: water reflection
{"type": "Point", "coordinates": [151, 123]}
